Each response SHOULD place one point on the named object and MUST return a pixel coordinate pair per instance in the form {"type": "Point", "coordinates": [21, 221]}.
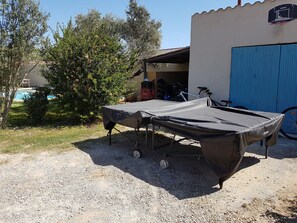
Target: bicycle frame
{"type": "Point", "coordinates": [183, 93]}
{"type": "Point", "coordinates": [206, 93]}
{"type": "Point", "coordinates": [202, 90]}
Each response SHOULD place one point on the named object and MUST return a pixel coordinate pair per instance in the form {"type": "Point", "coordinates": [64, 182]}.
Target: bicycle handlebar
{"type": "Point", "coordinates": [202, 89]}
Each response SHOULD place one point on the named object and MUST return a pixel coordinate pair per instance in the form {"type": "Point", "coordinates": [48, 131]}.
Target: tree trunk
{"type": "Point", "coordinates": [9, 93]}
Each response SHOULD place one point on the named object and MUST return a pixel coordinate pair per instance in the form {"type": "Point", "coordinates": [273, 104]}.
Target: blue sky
{"type": "Point", "coordinates": [175, 15]}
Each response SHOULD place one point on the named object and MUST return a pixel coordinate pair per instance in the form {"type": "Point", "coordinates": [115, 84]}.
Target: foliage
{"type": "Point", "coordinates": [93, 20]}
{"type": "Point", "coordinates": [21, 29]}
{"type": "Point", "coordinates": [36, 105]}
{"type": "Point", "coordinates": [87, 69]}
{"type": "Point", "coordinates": [141, 33]}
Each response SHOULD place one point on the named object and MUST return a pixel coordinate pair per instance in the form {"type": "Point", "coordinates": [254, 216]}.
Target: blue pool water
{"type": "Point", "coordinates": [21, 94]}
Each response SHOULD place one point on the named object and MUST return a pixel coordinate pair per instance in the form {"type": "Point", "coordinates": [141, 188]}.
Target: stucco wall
{"type": "Point", "coordinates": [35, 77]}
{"type": "Point", "coordinates": [213, 35]}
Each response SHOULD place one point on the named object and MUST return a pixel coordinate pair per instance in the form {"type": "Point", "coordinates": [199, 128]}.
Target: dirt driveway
{"type": "Point", "coordinates": [98, 183]}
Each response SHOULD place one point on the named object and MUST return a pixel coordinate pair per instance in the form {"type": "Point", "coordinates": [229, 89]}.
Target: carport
{"type": "Point", "coordinates": [168, 71]}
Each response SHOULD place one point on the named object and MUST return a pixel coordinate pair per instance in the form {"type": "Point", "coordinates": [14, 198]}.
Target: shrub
{"type": "Point", "coordinates": [36, 105]}
{"type": "Point", "coordinates": [87, 70]}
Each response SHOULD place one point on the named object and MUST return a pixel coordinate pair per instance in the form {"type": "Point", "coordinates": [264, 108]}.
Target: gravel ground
{"type": "Point", "coordinates": [100, 183]}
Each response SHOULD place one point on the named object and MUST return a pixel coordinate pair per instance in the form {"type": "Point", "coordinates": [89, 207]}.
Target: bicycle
{"type": "Point", "coordinates": [289, 126]}
{"type": "Point", "coordinates": [184, 96]}
{"type": "Point", "coordinates": [205, 92]}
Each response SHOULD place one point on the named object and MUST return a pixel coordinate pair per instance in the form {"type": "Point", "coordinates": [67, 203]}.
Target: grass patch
{"type": "Point", "coordinates": [59, 131]}
{"type": "Point", "coordinates": [35, 139]}
{"type": "Point", "coordinates": [17, 115]}
{"type": "Point", "coordinates": [55, 116]}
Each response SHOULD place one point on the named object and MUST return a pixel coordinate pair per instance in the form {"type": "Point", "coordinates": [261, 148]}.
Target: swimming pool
{"type": "Point", "coordinates": [22, 93]}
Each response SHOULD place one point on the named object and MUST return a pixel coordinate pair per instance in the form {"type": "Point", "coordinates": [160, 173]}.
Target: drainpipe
{"type": "Point", "coordinates": [239, 2]}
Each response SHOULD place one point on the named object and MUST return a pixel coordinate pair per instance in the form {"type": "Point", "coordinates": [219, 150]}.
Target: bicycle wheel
{"type": "Point", "coordinates": [289, 127]}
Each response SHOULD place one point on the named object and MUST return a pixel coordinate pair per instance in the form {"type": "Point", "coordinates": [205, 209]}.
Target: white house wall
{"type": "Point", "coordinates": [213, 35]}
{"type": "Point", "coordinates": [35, 77]}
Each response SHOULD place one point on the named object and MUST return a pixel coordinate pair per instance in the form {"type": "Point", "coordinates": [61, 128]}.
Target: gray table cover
{"type": "Point", "coordinates": [223, 132]}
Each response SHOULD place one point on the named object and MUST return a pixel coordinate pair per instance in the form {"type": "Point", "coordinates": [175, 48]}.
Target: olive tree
{"type": "Point", "coordinates": [140, 32]}
{"type": "Point", "coordinates": [22, 25]}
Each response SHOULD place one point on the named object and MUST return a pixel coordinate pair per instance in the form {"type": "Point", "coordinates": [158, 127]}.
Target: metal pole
{"type": "Point", "coordinates": [153, 137]}
{"type": "Point", "coordinates": [109, 136]}
{"type": "Point", "coordinates": [146, 137]}
{"type": "Point", "coordinates": [144, 70]}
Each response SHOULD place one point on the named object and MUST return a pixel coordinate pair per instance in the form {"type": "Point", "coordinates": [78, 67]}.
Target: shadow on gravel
{"type": "Point", "coordinates": [290, 217]}
{"type": "Point", "coordinates": [284, 149]}
{"type": "Point", "coordinates": [186, 177]}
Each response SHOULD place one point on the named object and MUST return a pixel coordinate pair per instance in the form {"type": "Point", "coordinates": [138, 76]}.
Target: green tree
{"type": "Point", "coordinates": [87, 69]}
{"type": "Point", "coordinates": [22, 26]}
{"type": "Point", "coordinates": [141, 33]}
{"type": "Point", "coordinates": [93, 20]}
{"type": "Point", "coordinates": [92, 59]}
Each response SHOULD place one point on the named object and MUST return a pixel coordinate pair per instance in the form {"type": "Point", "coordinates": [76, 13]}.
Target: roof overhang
{"type": "Point", "coordinates": [179, 56]}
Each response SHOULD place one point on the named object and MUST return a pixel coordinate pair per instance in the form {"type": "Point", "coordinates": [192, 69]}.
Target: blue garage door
{"type": "Point", "coordinates": [265, 78]}
{"type": "Point", "coordinates": [254, 77]}
{"type": "Point", "coordinates": [287, 89]}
